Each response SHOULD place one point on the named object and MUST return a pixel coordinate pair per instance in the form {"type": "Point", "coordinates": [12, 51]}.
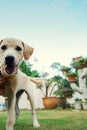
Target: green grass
{"type": "Point", "coordinates": [49, 120]}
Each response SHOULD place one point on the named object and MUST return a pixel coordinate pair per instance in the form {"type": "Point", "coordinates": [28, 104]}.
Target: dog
{"type": "Point", "coordinates": [12, 51]}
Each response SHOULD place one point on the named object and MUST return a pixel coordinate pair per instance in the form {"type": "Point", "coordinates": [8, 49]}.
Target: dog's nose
{"type": "Point", "coordinates": [9, 59]}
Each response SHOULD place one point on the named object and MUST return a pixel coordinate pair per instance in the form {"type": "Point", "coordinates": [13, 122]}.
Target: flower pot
{"type": "Point", "coordinates": [50, 102]}
{"type": "Point", "coordinates": [71, 78]}
{"type": "Point", "coordinates": [84, 64]}
{"type": "Point", "coordinates": [65, 71]}
{"type": "Point", "coordinates": [80, 64]}
{"type": "Point", "coordinates": [67, 93]}
{"type": "Point", "coordinates": [61, 102]}
{"type": "Point", "coordinates": [77, 58]}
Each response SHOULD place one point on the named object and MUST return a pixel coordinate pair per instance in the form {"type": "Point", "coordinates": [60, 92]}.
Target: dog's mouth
{"type": "Point", "coordinates": [10, 68]}
{"type": "Point", "coordinates": [10, 65]}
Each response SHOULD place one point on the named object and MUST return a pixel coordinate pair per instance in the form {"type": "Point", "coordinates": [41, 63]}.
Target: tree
{"type": "Point", "coordinates": [56, 65]}
{"type": "Point", "coordinates": [26, 68]}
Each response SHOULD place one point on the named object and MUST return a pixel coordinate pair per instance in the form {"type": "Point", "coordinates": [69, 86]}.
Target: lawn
{"type": "Point", "coordinates": [49, 120]}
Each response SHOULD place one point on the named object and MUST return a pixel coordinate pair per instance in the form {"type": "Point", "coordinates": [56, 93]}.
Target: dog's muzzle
{"type": "Point", "coordinates": [10, 66]}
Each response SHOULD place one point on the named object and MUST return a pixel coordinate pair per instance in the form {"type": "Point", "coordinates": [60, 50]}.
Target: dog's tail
{"type": "Point", "coordinates": [37, 81]}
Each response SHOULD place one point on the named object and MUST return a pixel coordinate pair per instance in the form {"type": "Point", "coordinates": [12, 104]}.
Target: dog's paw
{"type": "Point", "coordinates": [9, 128]}
{"type": "Point", "coordinates": [36, 125]}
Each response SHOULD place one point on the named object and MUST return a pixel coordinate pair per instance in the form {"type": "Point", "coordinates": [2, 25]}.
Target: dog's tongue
{"type": "Point", "coordinates": [10, 69]}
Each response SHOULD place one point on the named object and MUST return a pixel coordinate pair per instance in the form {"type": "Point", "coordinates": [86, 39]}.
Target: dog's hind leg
{"type": "Point", "coordinates": [31, 99]}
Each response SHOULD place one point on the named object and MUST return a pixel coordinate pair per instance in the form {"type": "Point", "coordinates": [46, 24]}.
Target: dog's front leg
{"type": "Point", "coordinates": [18, 95]}
{"type": "Point", "coordinates": [11, 113]}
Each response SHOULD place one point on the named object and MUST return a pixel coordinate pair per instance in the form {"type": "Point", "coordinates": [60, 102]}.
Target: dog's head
{"type": "Point", "coordinates": [12, 52]}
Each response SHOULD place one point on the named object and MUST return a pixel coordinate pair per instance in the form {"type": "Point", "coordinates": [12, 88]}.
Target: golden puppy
{"type": "Point", "coordinates": [12, 52]}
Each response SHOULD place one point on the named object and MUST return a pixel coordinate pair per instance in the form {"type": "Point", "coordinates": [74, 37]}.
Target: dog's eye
{"type": "Point", "coordinates": [4, 47]}
{"type": "Point", "coordinates": [18, 48]}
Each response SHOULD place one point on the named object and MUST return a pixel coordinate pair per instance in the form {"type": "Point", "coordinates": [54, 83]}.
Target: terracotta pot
{"type": "Point", "coordinates": [84, 65]}
{"type": "Point", "coordinates": [71, 78]}
{"type": "Point", "coordinates": [50, 102]}
{"type": "Point", "coordinates": [77, 58]}
{"type": "Point", "coordinates": [68, 94]}
{"type": "Point", "coordinates": [65, 71]}
{"type": "Point", "coordinates": [61, 102]}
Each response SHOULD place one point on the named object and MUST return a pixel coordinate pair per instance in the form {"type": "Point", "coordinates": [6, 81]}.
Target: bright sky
{"type": "Point", "coordinates": [57, 29]}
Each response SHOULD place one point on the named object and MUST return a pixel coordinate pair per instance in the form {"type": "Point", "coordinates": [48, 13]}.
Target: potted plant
{"type": "Point", "coordinates": [64, 92]}
{"type": "Point", "coordinates": [84, 104]}
{"type": "Point", "coordinates": [49, 101]}
{"type": "Point", "coordinates": [64, 89]}
{"type": "Point", "coordinates": [77, 104]}
{"type": "Point", "coordinates": [80, 63]}
{"type": "Point", "coordinates": [67, 92]}
{"type": "Point", "coordinates": [64, 69]}
{"type": "Point", "coordinates": [71, 76]}
{"type": "Point", "coordinates": [61, 100]}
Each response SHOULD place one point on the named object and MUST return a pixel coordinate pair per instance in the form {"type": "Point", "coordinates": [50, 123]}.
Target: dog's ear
{"type": "Point", "coordinates": [1, 41]}
{"type": "Point", "coordinates": [28, 50]}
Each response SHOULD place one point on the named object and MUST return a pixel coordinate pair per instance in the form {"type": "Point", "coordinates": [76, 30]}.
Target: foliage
{"type": "Point", "coordinates": [77, 99]}
{"type": "Point", "coordinates": [63, 88]}
{"type": "Point", "coordinates": [70, 73]}
{"type": "Point", "coordinates": [64, 68]}
{"type": "Point", "coordinates": [26, 68]}
{"type": "Point", "coordinates": [47, 84]}
{"type": "Point", "coordinates": [68, 105]}
{"type": "Point", "coordinates": [57, 78]}
{"type": "Point", "coordinates": [59, 93]}
{"type": "Point", "coordinates": [79, 63]}
{"type": "Point", "coordinates": [63, 84]}
{"type": "Point", "coordinates": [64, 92]}
{"type": "Point", "coordinates": [57, 66]}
